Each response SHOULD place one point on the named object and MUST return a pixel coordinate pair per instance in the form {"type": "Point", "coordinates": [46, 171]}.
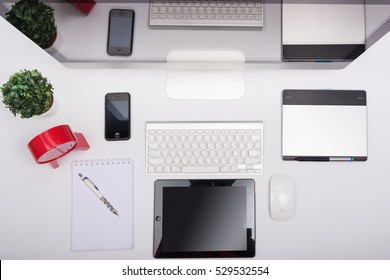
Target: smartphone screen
{"type": "Point", "coordinates": [120, 32]}
{"type": "Point", "coordinates": [117, 116]}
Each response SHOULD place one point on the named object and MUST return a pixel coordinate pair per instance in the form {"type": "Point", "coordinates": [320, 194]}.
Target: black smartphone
{"type": "Point", "coordinates": [117, 116]}
{"type": "Point", "coordinates": [120, 32]}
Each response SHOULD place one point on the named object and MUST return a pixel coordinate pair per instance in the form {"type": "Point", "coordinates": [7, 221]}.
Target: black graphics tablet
{"type": "Point", "coordinates": [204, 218]}
{"type": "Point", "coordinates": [323, 30]}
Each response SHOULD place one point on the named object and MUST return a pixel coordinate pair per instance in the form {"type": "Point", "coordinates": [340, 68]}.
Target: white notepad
{"type": "Point", "coordinates": [324, 125]}
{"type": "Point", "coordinates": [94, 226]}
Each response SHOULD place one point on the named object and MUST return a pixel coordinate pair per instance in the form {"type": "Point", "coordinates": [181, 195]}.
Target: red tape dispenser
{"type": "Point", "coordinates": [55, 143]}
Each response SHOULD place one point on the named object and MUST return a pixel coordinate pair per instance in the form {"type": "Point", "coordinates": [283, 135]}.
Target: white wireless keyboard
{"type": "Point", "coordinates": [204, 148]}
{"type": "Point", "coordinates": [207, 13]}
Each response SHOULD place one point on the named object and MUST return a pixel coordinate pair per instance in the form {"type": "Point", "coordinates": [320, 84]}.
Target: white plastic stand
{"type": "Point", "coordinates": [205, 74]}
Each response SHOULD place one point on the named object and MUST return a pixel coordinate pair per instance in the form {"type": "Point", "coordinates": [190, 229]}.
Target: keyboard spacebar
{"type": "Point", "coordinates": [200, 169]}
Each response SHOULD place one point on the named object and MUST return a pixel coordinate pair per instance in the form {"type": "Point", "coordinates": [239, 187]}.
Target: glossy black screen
{"type": "Point", "coordinates": [201, 219]}
{"type": "Point", "coordinates": [117, 122]}
{"type": "Point", "coordinates": [121, 31]}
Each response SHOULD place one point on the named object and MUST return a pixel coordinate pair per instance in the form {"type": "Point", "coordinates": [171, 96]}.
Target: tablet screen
{"type": "Point", "coordinates": [204, 218]}
{"type": "Point", "coordinates": [320, 30]}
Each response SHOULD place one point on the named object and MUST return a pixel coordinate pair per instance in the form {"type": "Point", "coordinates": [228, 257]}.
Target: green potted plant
{"type": "Point", "coordinates": [35, 20]}
{"type": "Point", "coordinates": [28, 93]}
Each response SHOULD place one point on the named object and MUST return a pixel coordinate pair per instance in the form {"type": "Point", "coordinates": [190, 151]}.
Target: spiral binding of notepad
{"type": "Point", "coordinates": [92, 162]}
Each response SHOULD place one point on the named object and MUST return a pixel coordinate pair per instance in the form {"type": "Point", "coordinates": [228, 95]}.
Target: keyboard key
{"type": "Point", "coordinates": [254, 153]}
{"type": "Point", "coordinates": [153, 145]}
{"type": "Point", "coordinates": [225, 169]}
{"type": "Point", "coordinates": [252, 160]}
{"type": "Point", "coordinates": [175, 169]}
{"type": "Point", "coordinates": [156, 161]}
{"type": "Point", "coordinates": [151, 169]}
{"type": "Point", "coordinates": [155, 154]}
{"type": "Point", "coordinates": [200, 169]}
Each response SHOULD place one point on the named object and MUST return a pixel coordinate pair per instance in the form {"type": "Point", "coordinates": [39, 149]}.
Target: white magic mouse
{"type": "Point", "coordinates": [282, 197]}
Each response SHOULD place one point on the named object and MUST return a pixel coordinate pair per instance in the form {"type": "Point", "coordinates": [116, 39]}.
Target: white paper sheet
{"type": "Point", "coordinates": [94, 226]}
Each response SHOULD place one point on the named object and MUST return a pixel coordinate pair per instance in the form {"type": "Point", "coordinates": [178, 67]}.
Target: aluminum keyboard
{"type": "Point", "coordinates": [204, 148]}
{"type": "Point", "coordinates": [207, 13]}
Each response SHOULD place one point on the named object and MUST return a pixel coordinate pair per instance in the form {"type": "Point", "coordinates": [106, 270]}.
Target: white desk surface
{"type": "Point", "coordinates": [343, 209]}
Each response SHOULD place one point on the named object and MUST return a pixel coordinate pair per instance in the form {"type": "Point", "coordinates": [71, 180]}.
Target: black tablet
{"type": "Point", "coordinates": [323, 30]}
{"type": "Point", "coordinates": [204, 218]}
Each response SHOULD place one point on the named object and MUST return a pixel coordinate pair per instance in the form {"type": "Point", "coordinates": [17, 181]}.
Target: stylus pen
{"type": "Point", "coordinates": [95, 190]}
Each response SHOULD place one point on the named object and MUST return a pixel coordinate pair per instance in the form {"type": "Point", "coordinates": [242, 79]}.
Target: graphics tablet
{"type": "Point", "coordinates": [323, 31]}
{"type": "Point", "coordinates": [324, 125]}
{"type": "Point", "coordinates": [204, 218]}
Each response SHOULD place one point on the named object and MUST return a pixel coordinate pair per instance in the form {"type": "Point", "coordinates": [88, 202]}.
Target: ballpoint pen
{"type": "Point", "coordinates": [95, 190]}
